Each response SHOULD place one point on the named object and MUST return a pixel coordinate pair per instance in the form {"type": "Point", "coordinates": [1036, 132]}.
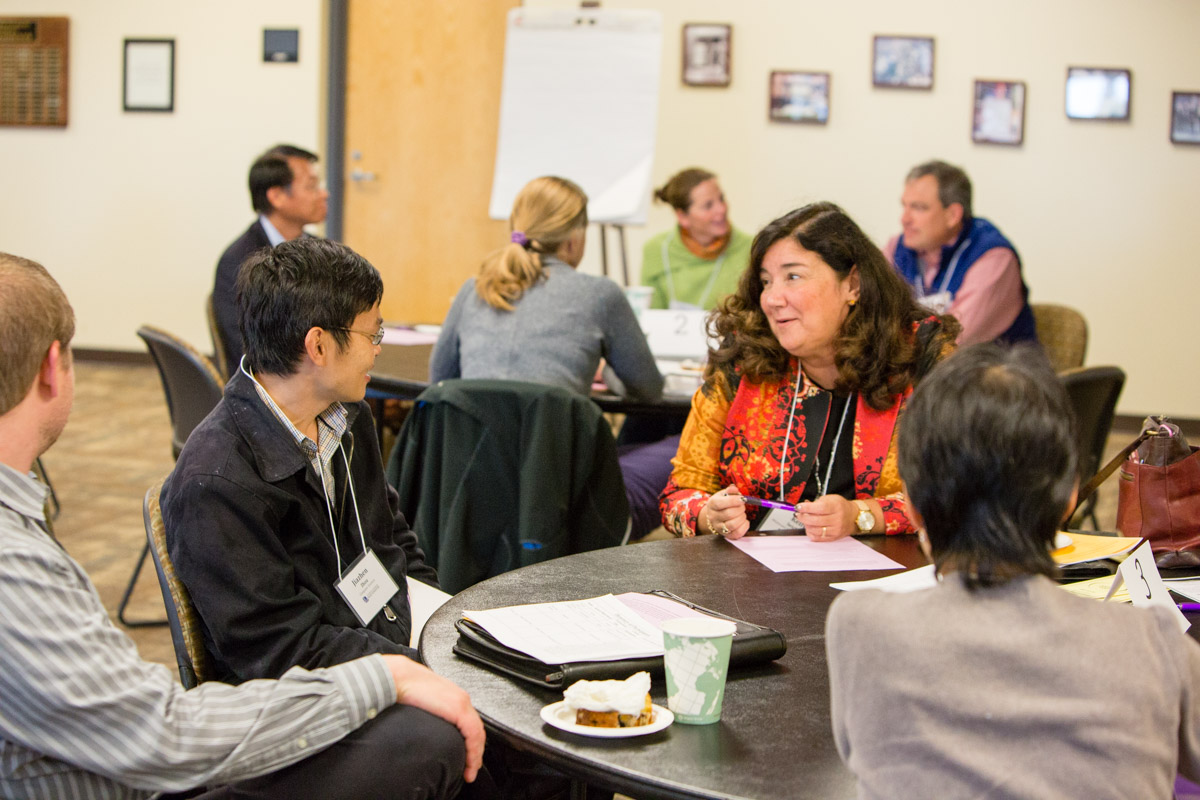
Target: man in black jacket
{"type": "Point", "coordinates": [286, 192]}
{"type": "Point", "coordinates": [278, 517]}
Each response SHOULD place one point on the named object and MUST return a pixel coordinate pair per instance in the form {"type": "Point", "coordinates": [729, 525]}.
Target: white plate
{"type": "Point", "coordinates": [563, 718]}
{"type": "Point", "coordinates": [1061, 540]}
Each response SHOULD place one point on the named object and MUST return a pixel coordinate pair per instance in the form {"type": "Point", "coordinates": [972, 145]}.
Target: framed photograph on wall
{"type": "Point", "coordinates": [999, 116]}
{"type": "Point", "coordinates": [799, 97]}
{"type": "Point", "coordinates": [707, 54]}
{"type": "Point", "coordinates": [1098, 93]}
{"type": "Point", "coordinates": [149, 75]}
{"type": "Point", "coordinates": [903, 62]}
{"type": "Point", "coordinates": [1185, 117]}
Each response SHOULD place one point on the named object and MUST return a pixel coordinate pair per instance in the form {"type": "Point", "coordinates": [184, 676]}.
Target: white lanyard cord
{"type": "Point", "coordinates": [948, 276]}
{"type": "Point", "coordinates": [823, 488]}
{"type": "Point", "coordinates": [787, 434]}
{"type": "Point", "coordinates": [833, 453]}
{"type": "Point", "coordinates": [329, 506]}
{"type": "Point", "coordinates": [712, 279]}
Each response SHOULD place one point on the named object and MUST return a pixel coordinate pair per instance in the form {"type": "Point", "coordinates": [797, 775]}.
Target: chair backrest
{"type": "Point", "coordinates": [1093, 392]}
{"type": "Point", "coordinates": [191, 382]}
{"type": "Point", "coordinates": [218, 341]}
{"type": "Point", "coordinates": [190, 654]}
{"type": "Point", "coordinates": [495, 475]}
{"type": "Point", "coordinates": [1063, 333]}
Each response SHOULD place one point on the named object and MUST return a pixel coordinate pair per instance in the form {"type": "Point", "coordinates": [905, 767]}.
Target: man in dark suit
{"type": "Point", "coordinates": [286, 191]}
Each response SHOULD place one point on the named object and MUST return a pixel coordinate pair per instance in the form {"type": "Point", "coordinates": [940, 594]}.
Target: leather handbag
{"type": "Point", "coordinates": [1159, 494]}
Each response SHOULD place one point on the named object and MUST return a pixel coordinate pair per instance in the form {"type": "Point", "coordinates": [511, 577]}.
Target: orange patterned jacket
{"type": "Point", "coordinates": [739, 441]}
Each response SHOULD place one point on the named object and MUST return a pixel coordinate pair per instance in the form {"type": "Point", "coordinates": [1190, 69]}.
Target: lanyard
{"type": "Point", "coordinates": [945, 278]}
{"type": "Point", "coordinates": [712, 279]}
{"type": "Point", "coordinates": [329, 507]}
{"type": "Point", "coordinates": [821, 486]}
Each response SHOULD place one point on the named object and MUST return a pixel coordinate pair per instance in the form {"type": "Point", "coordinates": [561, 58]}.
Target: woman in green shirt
{"type": "Point", "coordinates": [700, 260]}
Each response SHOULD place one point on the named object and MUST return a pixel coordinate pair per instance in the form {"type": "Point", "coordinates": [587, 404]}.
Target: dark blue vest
{"type": "Point", "coordinates": [975, 240]}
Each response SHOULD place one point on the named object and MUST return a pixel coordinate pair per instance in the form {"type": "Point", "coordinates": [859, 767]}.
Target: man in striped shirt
{"type": "Point", "coordinates": [82, 716]}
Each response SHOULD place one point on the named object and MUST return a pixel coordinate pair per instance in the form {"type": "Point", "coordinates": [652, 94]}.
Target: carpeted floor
{"type": "Point", "coordinates": [117, 444]}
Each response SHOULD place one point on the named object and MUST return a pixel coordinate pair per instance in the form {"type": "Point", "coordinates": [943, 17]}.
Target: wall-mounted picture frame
{"type": "Point", "coordinates": [1098, 93]}
{"type": "Point", "coordinates": [1185, 117]}
{"type": "Point", "coordinates": [148, 75]}
{"type": "Point", "coordinates": [902, 62]}
{"type": "Point", "coordinates": [707, 54]}
{"type": "Point", "coordinates": [999, 115]}
{"type": "Point", "coordinates": [799, 97]}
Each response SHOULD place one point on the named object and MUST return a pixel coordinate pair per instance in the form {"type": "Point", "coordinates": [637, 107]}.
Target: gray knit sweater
{"type": "Point", "coordinates": [556, 334]}
{"type": "Point", "coordinates": [1020, 691]}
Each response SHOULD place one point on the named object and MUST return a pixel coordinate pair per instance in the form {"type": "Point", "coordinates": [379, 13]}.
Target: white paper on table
{"type": "Point", "coordinates": [407, 336]}
{"type": "Point", "coordinates": [657, 609]}
{"type": "Point", "coordinates": [800, 554]}
{"type": "Point", "coordinates": [597, 629]}
{"type": "Point", "coordinates": [1188, 587]}
{"type": "Point", "coordinates": [423, 600]}
{"type": "Point", "coordinates": [909, 581]}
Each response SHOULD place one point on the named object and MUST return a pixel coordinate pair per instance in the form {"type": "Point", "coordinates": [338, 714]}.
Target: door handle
{"type": "Point", "coordinates": [361, 176]}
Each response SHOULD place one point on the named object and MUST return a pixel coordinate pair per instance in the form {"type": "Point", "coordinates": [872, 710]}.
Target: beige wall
{"type": "Point", "coordinates": [1103, 214]}
{"type": "Point", "coordinates": [131, 210]}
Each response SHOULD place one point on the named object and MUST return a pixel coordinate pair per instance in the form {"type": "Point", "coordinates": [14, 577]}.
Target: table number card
{"type": "Point", "coordinates": [1146, 588]}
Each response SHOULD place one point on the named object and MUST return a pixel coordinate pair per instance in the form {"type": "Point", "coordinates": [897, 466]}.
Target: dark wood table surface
{"type": "Point", "coordinates": [403, 371]}
{"type": "Point", "coordinates": [774, 739]}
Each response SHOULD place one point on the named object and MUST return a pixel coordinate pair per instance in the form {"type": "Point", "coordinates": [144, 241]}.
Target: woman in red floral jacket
{"type": "Point", "coordinates": [820, 348]}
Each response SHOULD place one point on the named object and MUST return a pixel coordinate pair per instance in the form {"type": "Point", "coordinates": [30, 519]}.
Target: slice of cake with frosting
{"type": "Point", "coordinates": [611, 704]}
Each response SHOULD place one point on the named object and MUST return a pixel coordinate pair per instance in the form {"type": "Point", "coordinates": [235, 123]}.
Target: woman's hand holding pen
{"type": "Point", "coordinates": [725, 514]}
{"type": "Point", "coordinates": [828, 518]}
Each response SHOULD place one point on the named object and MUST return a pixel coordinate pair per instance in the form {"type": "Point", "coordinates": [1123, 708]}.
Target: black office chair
{"type": "Point", "coordinates": [190, 655]}
{"type": "Point", "coordinates": [193, 388]}
{"type": "Point", "coordinates": [218, 341]}
{"type": "Point", "coordinates": [1093, 392]}
{"type": "Point", "coordinates": [495, 475]}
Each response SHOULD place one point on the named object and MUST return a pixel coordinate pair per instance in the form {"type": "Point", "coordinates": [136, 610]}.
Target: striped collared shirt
{"type": "Point", "coordinates": [331, 426]}
{"type": "Point", "coordinates": [82, 716]}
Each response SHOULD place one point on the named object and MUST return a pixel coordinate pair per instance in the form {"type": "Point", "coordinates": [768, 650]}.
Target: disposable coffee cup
{"type": "Point", "coordinates": [639, 297]}
{"type": "Point", "coordinates": [696, 655]}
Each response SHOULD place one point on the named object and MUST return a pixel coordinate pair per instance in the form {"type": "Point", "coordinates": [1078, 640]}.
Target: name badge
{"type": "Point", "coordinates": [780, 520]}
{"type": "Point", "coordinates": [938, 302]}
{"type": "Point", "coordinates": [366, 586]}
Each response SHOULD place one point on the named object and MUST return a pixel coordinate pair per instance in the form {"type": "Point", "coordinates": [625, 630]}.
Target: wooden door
{"type": "Point", "coordinates": [422, 109]}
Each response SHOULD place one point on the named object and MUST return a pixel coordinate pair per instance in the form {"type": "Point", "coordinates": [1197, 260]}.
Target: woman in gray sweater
{"type": "Point", "coordinates": [995, 682]}
{"type": "Point", "coordinates": [530, 316]}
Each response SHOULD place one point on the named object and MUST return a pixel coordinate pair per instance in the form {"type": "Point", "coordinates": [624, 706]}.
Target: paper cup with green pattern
{"type": "Point", "coordinates": [696, 654]}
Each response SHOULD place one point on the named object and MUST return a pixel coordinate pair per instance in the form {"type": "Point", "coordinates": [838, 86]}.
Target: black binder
{"type": "Point", "coordinates": [752, 644]}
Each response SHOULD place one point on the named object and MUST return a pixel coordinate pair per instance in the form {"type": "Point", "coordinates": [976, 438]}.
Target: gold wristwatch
{"type": "Point", "coordinates": [865, 521]}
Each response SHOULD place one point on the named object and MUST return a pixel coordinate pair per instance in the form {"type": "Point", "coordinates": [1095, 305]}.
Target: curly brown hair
{"type": "Point", "coordinates": [882, 347]}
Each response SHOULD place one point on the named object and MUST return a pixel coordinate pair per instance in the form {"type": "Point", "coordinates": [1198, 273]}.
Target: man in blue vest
{"type": "Point", "coordinates": [957, 262]}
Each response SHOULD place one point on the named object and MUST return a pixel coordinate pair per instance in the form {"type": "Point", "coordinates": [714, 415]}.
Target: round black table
{"type": "Point", "coordinates": [774, 738]}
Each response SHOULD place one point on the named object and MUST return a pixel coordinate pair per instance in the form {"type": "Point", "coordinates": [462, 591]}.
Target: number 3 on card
{"type": "Point", "coordinates": [1146, 587]}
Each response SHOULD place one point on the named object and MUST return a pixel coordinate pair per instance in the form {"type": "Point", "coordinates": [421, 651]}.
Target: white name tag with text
{"type": "Point", "coordinates": [366, 586]}
{"type": "Point", "coordinates": [1146, 588]}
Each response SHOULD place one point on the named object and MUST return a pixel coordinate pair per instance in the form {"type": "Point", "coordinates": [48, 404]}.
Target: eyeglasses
{"type": "Point", "coordinates": [375, 337]}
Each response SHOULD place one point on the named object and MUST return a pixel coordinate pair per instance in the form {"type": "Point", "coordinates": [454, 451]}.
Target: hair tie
{"type": "Point", "coordinates": [520, 238]}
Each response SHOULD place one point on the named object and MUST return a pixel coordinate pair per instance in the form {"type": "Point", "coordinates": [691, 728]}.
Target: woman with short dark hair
{"type": "Point", "coordinates": [820, 348]}
{"type": "Point", "coordinates": [996, 682]}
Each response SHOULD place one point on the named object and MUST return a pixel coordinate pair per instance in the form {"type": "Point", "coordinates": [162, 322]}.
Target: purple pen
{"type": "Point", "coordinates": [1188, 606]}
{"type": "Point", "coordinates": [758, 501]}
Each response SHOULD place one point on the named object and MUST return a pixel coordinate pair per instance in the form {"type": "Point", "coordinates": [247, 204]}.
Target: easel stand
{"type": "Point", "coordinates": [604, 226]}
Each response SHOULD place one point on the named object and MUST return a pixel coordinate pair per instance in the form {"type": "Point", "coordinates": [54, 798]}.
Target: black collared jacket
{"type": "Point", "coordinates": [249, 534]}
